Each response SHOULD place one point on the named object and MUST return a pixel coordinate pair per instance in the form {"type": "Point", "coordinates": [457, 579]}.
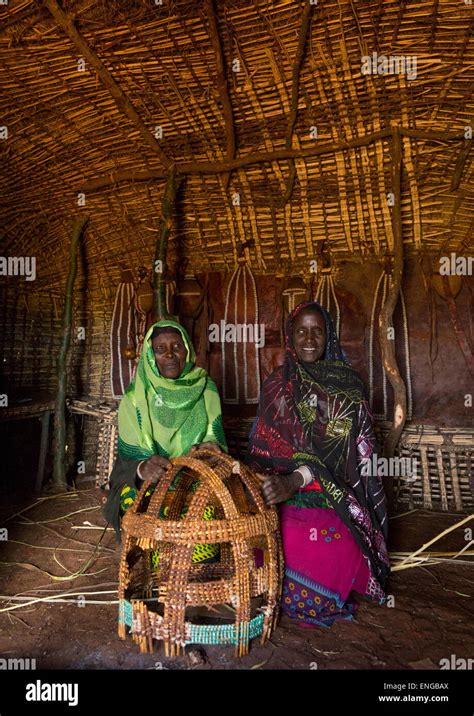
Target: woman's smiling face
{"type": "Point", "coordinates": [309, 335]}
{"type": "Point", "coordinates": [170, 354]}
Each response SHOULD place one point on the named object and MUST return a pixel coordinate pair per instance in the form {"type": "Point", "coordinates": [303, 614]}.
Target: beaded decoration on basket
{"type": "Point", "coordinates": [164, 593]}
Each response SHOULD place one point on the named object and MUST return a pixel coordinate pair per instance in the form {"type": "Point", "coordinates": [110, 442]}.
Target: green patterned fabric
{"type": "Point", "coordinates": [167, 416]}
{"type": "Point", "coordinates": [202, 552]}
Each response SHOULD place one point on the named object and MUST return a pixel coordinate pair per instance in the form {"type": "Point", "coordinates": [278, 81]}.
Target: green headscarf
{"type": "Point", "coordinates": [167, 416]}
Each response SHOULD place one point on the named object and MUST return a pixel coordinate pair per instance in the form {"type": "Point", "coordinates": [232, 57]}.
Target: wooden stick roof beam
{"type": "Point", "coordinates": [295, 85]}
{"type": "Point", "coordinates": [460, 164]}
{"type": "Point", "coordinates": [260, 158]}
{"type": "Point", "coordinates": [222, 86]}
{"type": "Point", "coordinates": [431, 136]}
{"type": "Point", "coordinates": [227, 165]}
{"type": "Point", "coordinates": [66, 23]}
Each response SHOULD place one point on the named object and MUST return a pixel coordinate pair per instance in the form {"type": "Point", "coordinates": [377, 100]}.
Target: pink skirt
{"type": "Point", "coordinates": [323, 565]}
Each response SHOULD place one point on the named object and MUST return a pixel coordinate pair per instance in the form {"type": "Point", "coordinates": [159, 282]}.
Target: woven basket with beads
{"type": "Point", "coordinates": [164, 595]}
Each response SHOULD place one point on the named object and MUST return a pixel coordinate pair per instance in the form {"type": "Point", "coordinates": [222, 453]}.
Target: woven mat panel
{"type": "Point", "coordinates": [29, 335]}
{"type": "Point", "coordinates": [105, 433]}
{"type": "Point", "coordinates": [444, 462]}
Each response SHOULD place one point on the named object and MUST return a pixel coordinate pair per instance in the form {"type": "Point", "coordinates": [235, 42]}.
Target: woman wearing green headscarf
{"type": "Point", "coordinates": [170, 409]}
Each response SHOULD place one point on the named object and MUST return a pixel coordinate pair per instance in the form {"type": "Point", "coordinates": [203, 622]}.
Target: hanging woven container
{"type": "Point", "coordinates": [161, 585]}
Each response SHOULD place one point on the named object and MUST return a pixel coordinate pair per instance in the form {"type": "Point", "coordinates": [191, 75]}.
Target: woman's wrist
{"type": "Point", "coordinates": [303, 476]}
{"type": "Point", "coordinates": [296, 480]}
{"type": "Point", "coordinates": [139, 474]}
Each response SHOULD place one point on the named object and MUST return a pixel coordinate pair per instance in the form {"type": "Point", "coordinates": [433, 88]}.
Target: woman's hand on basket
{"type": "Point", "coordinates": [214, 447]}
{"type": "Point", "coordinates": [152, 469]}
{"type": "Point", "coordinates": [279, 488]}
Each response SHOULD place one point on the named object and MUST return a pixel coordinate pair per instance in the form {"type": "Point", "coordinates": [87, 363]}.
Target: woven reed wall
{"type": "Point", "coordinates": [29, 337]}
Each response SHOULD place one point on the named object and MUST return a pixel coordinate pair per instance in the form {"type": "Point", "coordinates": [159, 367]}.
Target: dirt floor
{"type": "Point", "coordinates": [428, 616]}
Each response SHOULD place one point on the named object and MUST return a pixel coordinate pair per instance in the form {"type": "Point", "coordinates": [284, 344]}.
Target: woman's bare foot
{"type": "Point", "coordinates": [195, 655]}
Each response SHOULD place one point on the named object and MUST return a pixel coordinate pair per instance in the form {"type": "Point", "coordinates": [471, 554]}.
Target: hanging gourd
{"type": "Point", "coordinates": [129, 352]}
{"type": "Point", "coordinates": [188, 295]}
{"type": "Point", "coordinates": [144, 292]}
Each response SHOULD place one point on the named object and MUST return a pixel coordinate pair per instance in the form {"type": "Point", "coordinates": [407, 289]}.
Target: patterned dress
{"type": "Point", "coordinates": [334, 530]}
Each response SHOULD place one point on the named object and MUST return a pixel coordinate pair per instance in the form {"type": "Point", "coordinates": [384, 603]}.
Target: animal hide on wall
{"type": "Point", "coordinates": [240, 356]}
{"type": "Point", "coordinates": [123, 329]}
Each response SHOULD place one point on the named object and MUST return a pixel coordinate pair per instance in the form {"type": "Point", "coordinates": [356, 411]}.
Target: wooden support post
{"type": "Point", "coordinates": [387, 341]}
{"type": "Point", "coordinates": [167, 206]}
{"type": "Point", "coordinates": [43, 449]}
{"type": "Point", "coordinates": [59, 471]}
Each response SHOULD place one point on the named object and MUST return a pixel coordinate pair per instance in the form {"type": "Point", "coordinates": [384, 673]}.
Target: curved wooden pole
{"type": "Point", "coordinates": [66, 23]}
{"type": "Point", "coordinates": [386, 337]}
{"type": "Point", "coordinates": [59, 469]}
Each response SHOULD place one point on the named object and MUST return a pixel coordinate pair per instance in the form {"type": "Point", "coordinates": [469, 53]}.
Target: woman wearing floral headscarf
{"type": "Point", "coordinates": [172, 407]}
{"type": "Point", "coordinates": [311, 437]}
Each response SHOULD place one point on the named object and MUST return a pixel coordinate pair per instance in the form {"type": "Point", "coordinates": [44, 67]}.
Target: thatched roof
{"type": "Point", "coordinates": [72, 131]}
